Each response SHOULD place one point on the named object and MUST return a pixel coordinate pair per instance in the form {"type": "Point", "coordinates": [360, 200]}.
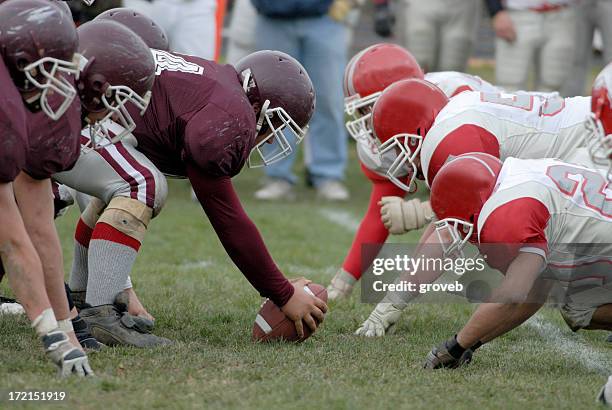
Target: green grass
{"type": "Point", "coordinates": [202, 302]}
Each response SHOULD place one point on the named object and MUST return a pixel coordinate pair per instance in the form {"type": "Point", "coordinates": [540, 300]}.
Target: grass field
{"type": "Point", "coordinates": [203, 303]}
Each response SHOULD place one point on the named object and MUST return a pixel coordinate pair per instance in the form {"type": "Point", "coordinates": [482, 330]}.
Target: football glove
{"type": "Point", "coordinates": [444, 356]}
{"type": "Point", "coordinates": [605, 395]}
{"type": "Point", "coordinates": [382, 320]}
{"type": "Point", "coordinates": [384, 20]}
{"type": "Point", "coordinates": [341, 285]}
{"type": "Point", "coordinates": [68, 359]}
{"type": "Point", "coordinates": [401, 216]}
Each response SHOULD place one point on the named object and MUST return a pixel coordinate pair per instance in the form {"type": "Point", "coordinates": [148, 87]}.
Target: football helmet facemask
{"type": "Point", "coordinates": [280, 87]}
{"type": "Point", "coordinates": [458, 194]}
{"type": "Point", "coordinates": [401, 118]}
{"type": "Point", "coordinates": [366, 76]}
{"type": "Point", "coordinates": [39, 45]}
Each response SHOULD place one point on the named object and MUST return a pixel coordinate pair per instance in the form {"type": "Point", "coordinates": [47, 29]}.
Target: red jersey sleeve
{"type": "Point", "coordinates": [371, 230]}
{"type": "Point", "coordinates": [239, 236]}
{"type": "Point", "coordinates": [517, 226]}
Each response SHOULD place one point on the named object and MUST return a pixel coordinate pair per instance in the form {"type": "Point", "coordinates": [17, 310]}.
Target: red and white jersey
{"type": "Point", "coordinates": [454, 83]}
{"type": "Point", "coordinates": [558, 210]}
{"type": "Point", "coordinates": [505, 125]}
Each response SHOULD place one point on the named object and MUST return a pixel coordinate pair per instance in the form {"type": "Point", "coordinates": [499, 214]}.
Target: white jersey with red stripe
{"type": "Point", "coordinates": [505, 125]}
{"type": "Point", "coordinates": [558, 210]}
{"type": "Point", "coordinates": [454, 83]}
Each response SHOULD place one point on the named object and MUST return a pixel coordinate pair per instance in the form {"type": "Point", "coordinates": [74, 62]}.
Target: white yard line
{"type": "Point", "coordinates": [341, 218]}
{"type": "Point", "coordinates": [575, 349]}
{"type": "Point", "coordinates": [196, 265]}
{"type": "Point", "coordinates": [307, 271]}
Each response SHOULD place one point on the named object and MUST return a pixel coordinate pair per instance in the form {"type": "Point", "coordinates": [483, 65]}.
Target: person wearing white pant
{"type": "Point", "coordinates": [193, 26]}
{"type": "Point", "coordinates": [533, 32]}
{"type": "Point", "coordinates": [441, 33]}
{"type": "Point", "coordinates": [241, 32]}
{"type": "Point", "coordinates": [591, 15]}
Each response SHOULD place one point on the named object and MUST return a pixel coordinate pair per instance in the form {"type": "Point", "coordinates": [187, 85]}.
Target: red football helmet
{"type": "Point", "coordinates": [150, 32]}
{"type": "Point", "coordinates": [599, 124]}
{"type": "Point", "coordinates": [401, 118]}
{"type": "Point", "coordinates": [367, 75]}
{"type": "Point", "coordinates": [38, 45]}
{"type": "Point", "coordinates": [281, 88]}
{"type": "Point", "coordinates": [117, 68]}
{"type": "Point", "coordinates": [458, 194]}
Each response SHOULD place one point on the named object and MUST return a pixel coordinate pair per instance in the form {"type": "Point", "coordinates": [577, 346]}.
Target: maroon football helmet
{"type": "Point", "coordinates": [279, 85]}
{"type": "Point", "coordinates": [117, 68]}
{"type": "Point", "coordinates": [146, 28]}
{"type": "Point", "coordinates": [458, 194]}
{"type": "Point", "coordinates": [38, 45]}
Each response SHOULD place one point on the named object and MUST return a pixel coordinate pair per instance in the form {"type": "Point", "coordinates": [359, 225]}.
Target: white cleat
{"type": "Point", "coordinates": [10, 307]}
{"type": "Point", "coordinates": [276, 190]}
{"type": "Point", "coordinates": [333, 191]}
{"type": "Point", "coordinates": [605, 395]}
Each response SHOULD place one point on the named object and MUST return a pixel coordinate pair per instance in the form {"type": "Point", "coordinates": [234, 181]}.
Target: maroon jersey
{"type": "Point", "coordinates": [198, 113]}
{"type": "Point", "coordinates": [200, 124]}
{"type": "Point", "coordinates": [13, 133]}
{"type": "Point", "coordinates": [54, 146]}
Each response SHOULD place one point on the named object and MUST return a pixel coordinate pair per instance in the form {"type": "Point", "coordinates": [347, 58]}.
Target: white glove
{"type": "Point", "coordinates": [341, 285]}
{"type": "Point", "coordinates": [401, 216]}
{"type": "Point", "coordinates": [382, 320]}
{"type": "Point", "coordinates": [605, 395]}
{"type": "Point", "coordinates": [68, 358]}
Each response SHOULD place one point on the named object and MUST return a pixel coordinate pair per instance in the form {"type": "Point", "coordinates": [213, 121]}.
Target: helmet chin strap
{"type": "Point", "coordinates": [262, 115]}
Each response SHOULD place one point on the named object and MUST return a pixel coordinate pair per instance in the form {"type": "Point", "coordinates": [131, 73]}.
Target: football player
{"type": "Point", "coordinates": [39, 41]}
{"type": "Point", "coordinates": [563, 237]}
{"type": "Point", "coordinates": [204, 122]}
{"type": "Point", "coordinates": [503, 125]}
{"type": "Point", "coordinates": [367, 75]}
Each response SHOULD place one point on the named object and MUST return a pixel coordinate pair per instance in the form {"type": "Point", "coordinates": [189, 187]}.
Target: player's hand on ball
{"type": "Point", "coordinates": [303, 306]}
{"type": "Point", "coordinates": [401, 216]}
{"type": "Point", "coordinates": [68, 358]}
{"type": "Point", "coordinates": [445, 356]}
{"type": "Point", "coordinates": [381, 321]}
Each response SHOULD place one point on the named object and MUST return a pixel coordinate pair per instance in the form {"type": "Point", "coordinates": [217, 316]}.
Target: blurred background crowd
{"type": "Point", "coordinates": [541, 45]}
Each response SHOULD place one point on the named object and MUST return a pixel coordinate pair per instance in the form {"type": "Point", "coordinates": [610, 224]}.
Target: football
{"type": "Point", "coordinates": [272, 324]}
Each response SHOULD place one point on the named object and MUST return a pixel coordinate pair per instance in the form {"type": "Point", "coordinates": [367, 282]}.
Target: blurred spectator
{"type": "Point", "coordinates": [441, 33]}
{"type": "Point", "coordinates": [241, 31]}
{"type": "Point", "coordinates": [314, 32]}
{"type": "Point", "coordinates": [591, 15]}
{"type": "Point", "coordinates": [193, 26]}
{"type": "Point", "coordinates": [533, 32]}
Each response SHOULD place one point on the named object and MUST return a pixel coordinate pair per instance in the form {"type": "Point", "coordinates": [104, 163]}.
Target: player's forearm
{"type": "Point", "coordinates": [239, 236]}
{"type": "Point", "coordinates": [36, 206]}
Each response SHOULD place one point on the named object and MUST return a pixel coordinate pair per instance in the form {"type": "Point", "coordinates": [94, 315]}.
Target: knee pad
{"type": "Point", "coordinates": [92, 213]}
{"type": "Point", "coordinates": [128, 216]}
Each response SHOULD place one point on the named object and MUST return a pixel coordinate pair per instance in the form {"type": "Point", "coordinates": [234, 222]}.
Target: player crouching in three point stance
{"type": "Point", "coordinates": [563, 236]}
{"type": "Point", "coordinates": [203, 123]}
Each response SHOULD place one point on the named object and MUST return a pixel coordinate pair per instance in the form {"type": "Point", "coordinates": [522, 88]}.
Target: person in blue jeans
{"type": "Point", "coordinates": [306, 30]}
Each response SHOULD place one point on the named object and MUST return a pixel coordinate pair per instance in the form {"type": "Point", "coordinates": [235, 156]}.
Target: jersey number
{"type": "Point", "coordinates": [592, 186]}
{"type": "Point", "coordinates": [165, 61]}
{"type": "Point", "coordinates": [552, 106]}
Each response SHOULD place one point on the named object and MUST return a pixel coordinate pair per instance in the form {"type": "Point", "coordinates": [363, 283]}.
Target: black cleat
{"type": "Point", "coordinates": [84, 336]}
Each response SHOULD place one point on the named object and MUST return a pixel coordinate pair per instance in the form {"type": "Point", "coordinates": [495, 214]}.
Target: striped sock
{"type": "Point", "coordinates": [79, 272]}
{"type": "Point", "coordinates": [111, 257]}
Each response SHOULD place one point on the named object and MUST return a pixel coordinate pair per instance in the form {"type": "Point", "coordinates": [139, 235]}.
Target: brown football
{"type": "Point", "coordinates": [272, 324]}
